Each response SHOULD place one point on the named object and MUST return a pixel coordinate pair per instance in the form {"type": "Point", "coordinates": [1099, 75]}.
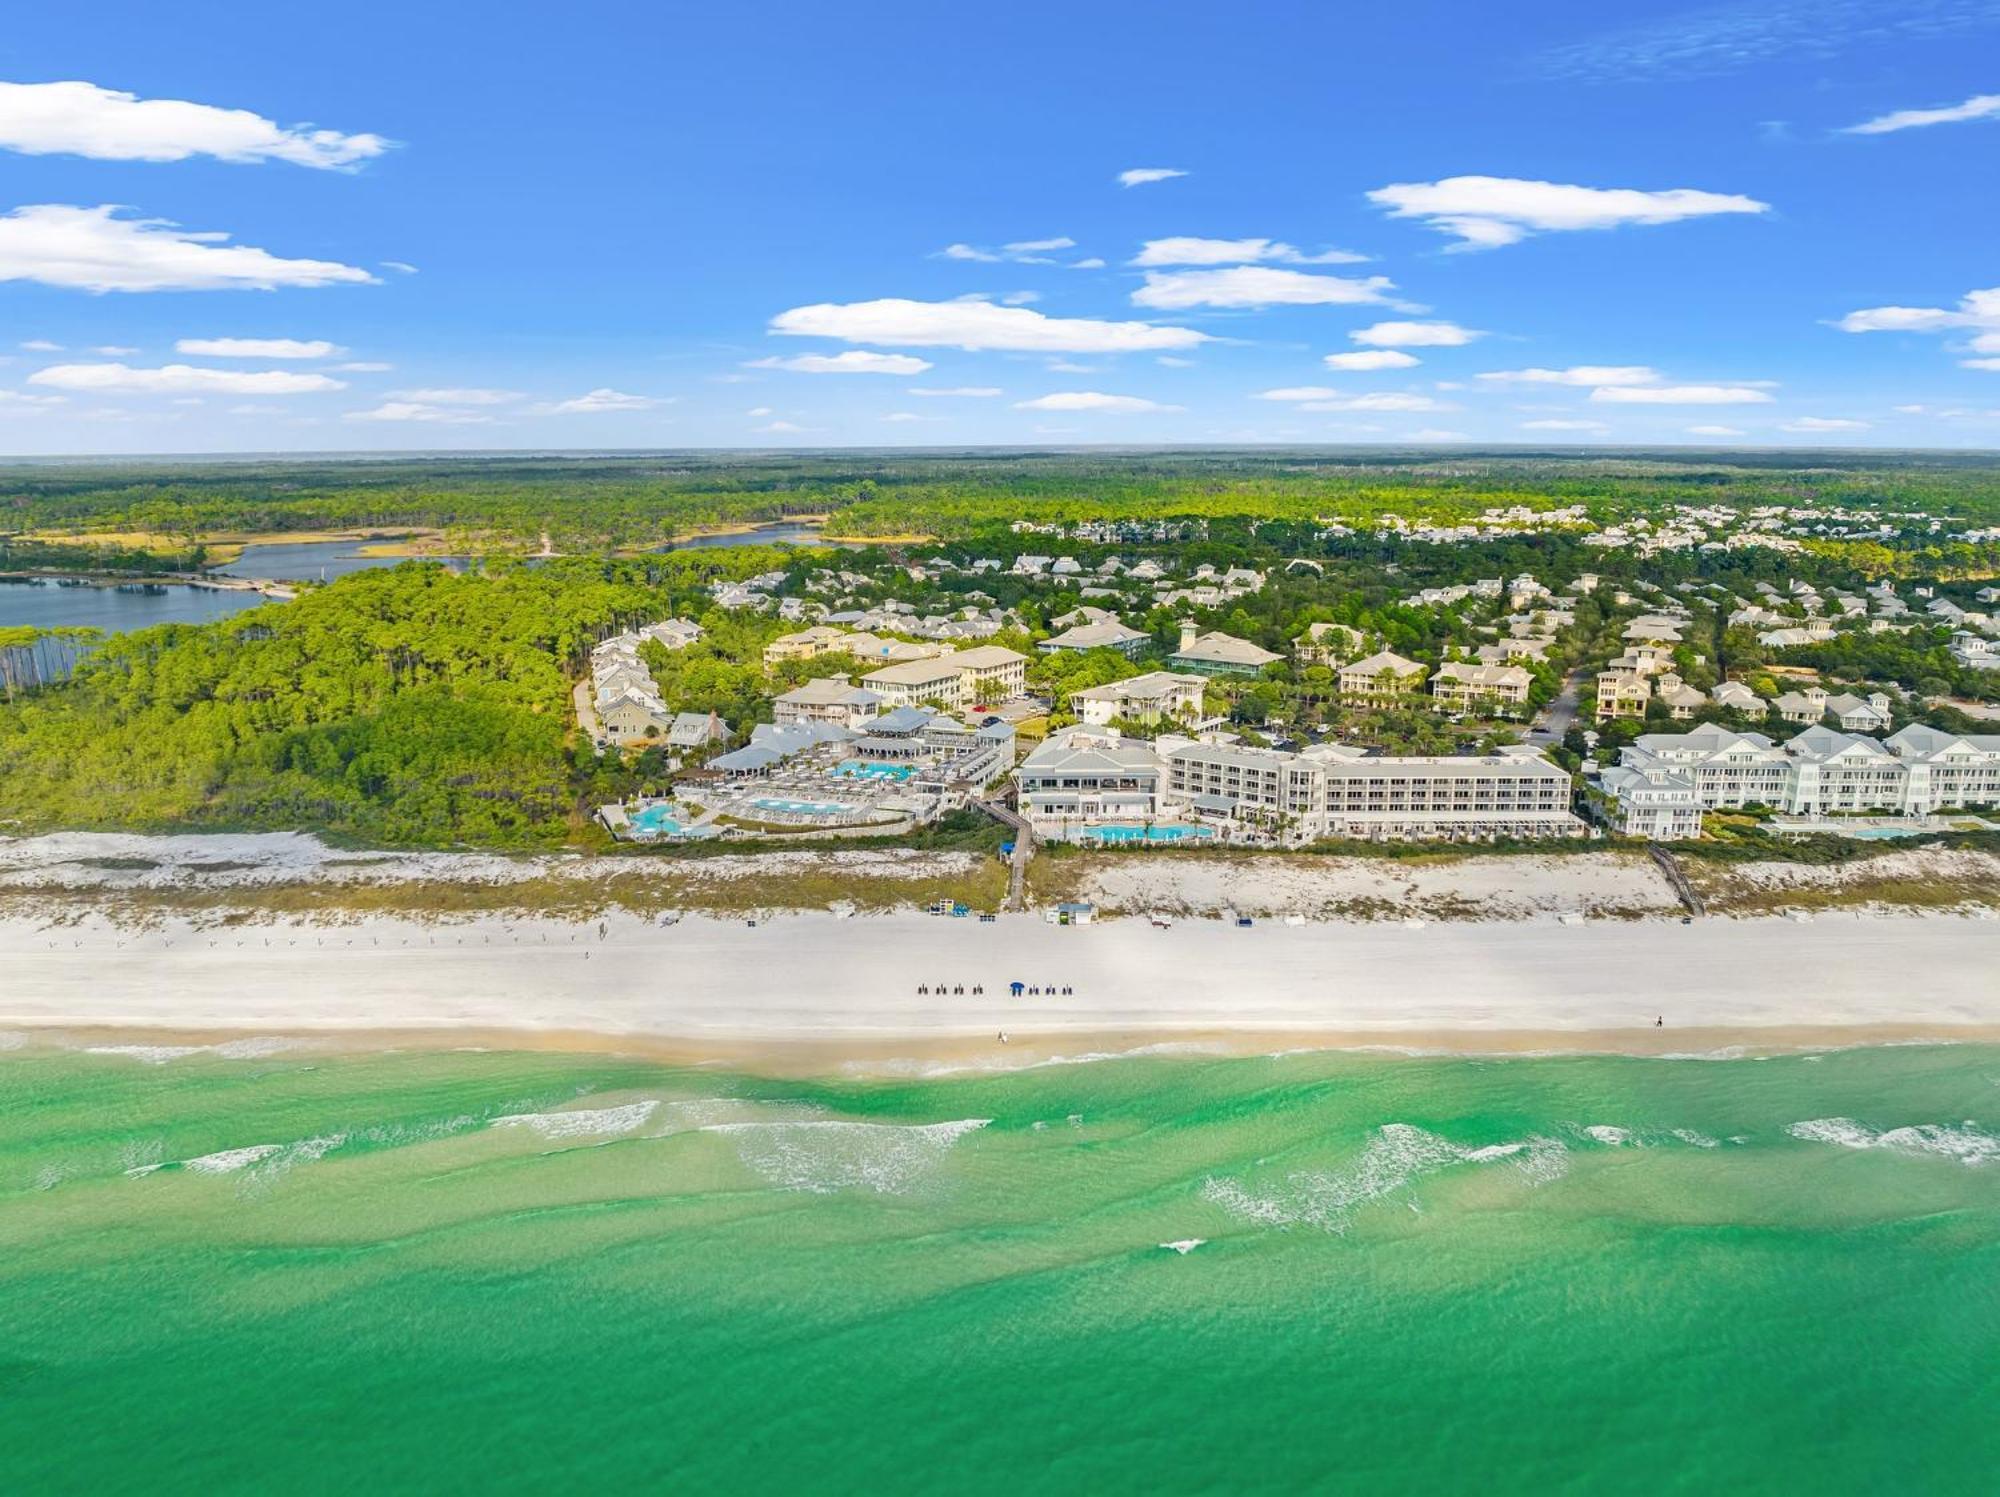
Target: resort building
{"type": "Point", "coordinates": [825, 639]}
{"type": "Point", "coordinates": [1822, 771]}
{"type": "Point", "coordinates": [1157, 696]}
{"type": "Point", "coordinates": [1382, 678]}
{"type": "Point", "coordinates": [1329, 791]}
{"type": "Point", "coordinates": [1659, 804]}
{"type": "Point", "coordinates": [1106, 634]}
{"type": "Point", "coordinates": [935, 680]}
{"type": "Point", "coordinates": [1218, 654]}
{"type": "Point", "coordinates": [1682, 700]}
{"type": "Point", "coordinates": [1807, 706]}
{"type": "Point", "coordinates": [1459, 687]}
{"type": "Point", "coordinates": [1083, 775]}
{"type": "Point", "coordinates": [831, 699]}
{"type": "Point", "coordinates": [984, 673]}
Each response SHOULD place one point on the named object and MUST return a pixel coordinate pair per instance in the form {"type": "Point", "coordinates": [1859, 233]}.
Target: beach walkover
{"type": "Point", "coordinates": [804, 979]}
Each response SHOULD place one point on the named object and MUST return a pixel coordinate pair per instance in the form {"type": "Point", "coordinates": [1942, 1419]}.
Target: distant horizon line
{"type": "Point", "coordinates": [1467, 449]}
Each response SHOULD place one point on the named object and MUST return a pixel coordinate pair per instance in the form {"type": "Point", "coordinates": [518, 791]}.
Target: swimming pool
{"type": "Point", "coordinates": [1167, 832]}
{"type": "Point", "coordinates": [801, 807]}
{"type": "Point", "coordinates": [657, 821]}
{"type": "Point", "coordinates": [871, 769]}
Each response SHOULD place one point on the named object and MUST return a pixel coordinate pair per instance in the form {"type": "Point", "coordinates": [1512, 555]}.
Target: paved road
{"type": "Point", "coordinates": [1556, 719]}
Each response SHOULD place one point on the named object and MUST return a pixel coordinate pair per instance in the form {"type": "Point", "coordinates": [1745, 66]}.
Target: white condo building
{"type": "Point", "coordinates": [1083, 775]}
{"type": "Point", "coordinates": [1663, 781]}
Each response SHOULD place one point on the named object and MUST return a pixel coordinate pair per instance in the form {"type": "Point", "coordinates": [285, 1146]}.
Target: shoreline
{"type": "Point", "coordinates": [815, 994]}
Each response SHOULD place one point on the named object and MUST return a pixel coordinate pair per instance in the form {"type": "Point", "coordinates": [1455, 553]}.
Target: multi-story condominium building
{"type": "Point", "coordinates": [1459, 687]}
{"type": "Point", "coordinates": [1656, 803]}
{"type": "Point", "coordinates": [1456, 798]}
{"type": "Point", "coordinates": [992, 673]}
{"type": "Point", "coordinates": [912, 681]}
{"type": "Point", "coordinates": [831, 699]}
{"type": "Point", "coordinates": [1157, 696]}
{"type": "Point", "coordinates": [985, 673]}
{"type": "Point", "coordinates": [1326, 791]}
{"type": "Point", "coordinates": [1084, 775]}
{"type": "Point", "coordinates": [1381, 678]}
{"type": "Point", "coordinates": [1822, 771]}
{"type": "Point", "coordinates": [1219, 654]}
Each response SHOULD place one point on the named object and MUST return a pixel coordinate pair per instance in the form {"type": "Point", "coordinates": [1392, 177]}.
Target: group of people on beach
{"type": "Point", "coordinates": [978, 990]}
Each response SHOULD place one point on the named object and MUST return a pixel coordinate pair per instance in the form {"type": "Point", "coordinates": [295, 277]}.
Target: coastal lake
{"type": "Point", "coordinates": [47, 604]}
{"type": "Point", "coordinates": [245, 1267]}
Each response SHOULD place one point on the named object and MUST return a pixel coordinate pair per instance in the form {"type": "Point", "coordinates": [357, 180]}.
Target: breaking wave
{"type": "Point", "coordinates": [583, 1122]}
{"type": "Point", "coordinates": [824, 1156]}
{"type": "Point", "coordinates": [1397, 1154]}
{"type": "Point", "coordinates": [1965, 1143]}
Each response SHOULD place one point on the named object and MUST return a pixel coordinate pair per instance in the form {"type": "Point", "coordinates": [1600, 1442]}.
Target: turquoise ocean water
{"type": "Point", "coordinates": [281, 1271]}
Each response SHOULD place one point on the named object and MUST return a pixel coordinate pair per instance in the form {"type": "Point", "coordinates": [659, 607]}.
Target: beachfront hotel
{"type": "Point", "coordinates": [1664, 778]}
{"type": "Point", "coordinates": [1084, 776]}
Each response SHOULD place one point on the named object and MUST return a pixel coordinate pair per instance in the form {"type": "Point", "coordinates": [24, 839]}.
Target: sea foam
{"type": "Point", "coordinates": [1397, 1154]}
{"type": "Point", "coordinates": [824, 1156]}
{"type": "Point", "coordinates": [582, 1122]}
{"type": "Point", "coordinates": [1966, 1143]}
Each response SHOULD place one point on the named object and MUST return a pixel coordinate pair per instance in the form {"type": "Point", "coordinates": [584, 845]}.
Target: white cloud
{"type": "Point", "coordinates": [410, 410]}
{"type": "Point", "coordinates": [1019, 298]}
{"type": "Point", "coordinates": [1680, 395]}
{"type": "Point", "coordinates": [1189, 250]}
{"type": "Point", "coordinates": [401, 267]}
{"type": "Point", "coordinates": [257, 410]}
{"type": "Point", "coordinates": [1069, 366]}
{"type": "Point", "coordinates": [781, 426]}
{"type": "Point", "coordinates": [757, 411]}
{"type": "Point", "coordinates": [458, 396]}
{"type": "Point", "coordinates": [1432, 434]}
{"type": "Point", "coordinates": [854, 361]}
{"type": "Point", "coordinates": [1977, 312]}
{"type": "Point", "coordinates": [1139, 176]}
{"type": "Point", "coordinates": [1824, 423]}
{"type": "Point", "coordinates": [1388, 400]}
{"type": "Point", "coordinates": [88, 249]}
{"type": "Point", "coordinates": [259, 348]}
{"type": "Point", "coordinates": [1299, 392]}
{"type": "Point", "coordinates": [23, 398]}
{"type": "Point", "coordinates": [1091, 400]}
{"type": "Point", "coordinates": [1583, 376]}
{"type": "Point", "coordinates": [364, 367]}
{"type": "Point", "coordinates": [1715, 431]}
{"type": "Point", "coordinates": [41, 345]}
{"type": "Point", "coordinates": [975, 326]}
{"type": "Point", "coordinates": [114, 351]}
{"type": "Point", "coordinates": [1090, 263]}
{"type": "Point", "coordinates": [968, 392]}
{"type": "Point", "coordinates": [1169, 361]}
{"type": "Point", "coordinates": [1485, 212]}
{"type": "Point", "coordinates": [1978, 107]}
{"type": "Point", "coordinates": [1256, 286]}
{"type": "Point", "coordinates": [1560, 425]}
{"type": "Point", "coordinates": [1415, 335]}
{"type": "Point", "coordinates": [1363, 362]}
{"type": "Point", "coordinates": [181, 379]}
{"type": "Point", "coordinates": [1910, 410]}
{"type": "Point", "coordinates": [1019, 251]}
{"type": "Point", "coordinates": [81, 119]}
{"type": "Point", "coordinates": [601, 401]}
{"type": "Point", "coordinates": [903, 417]}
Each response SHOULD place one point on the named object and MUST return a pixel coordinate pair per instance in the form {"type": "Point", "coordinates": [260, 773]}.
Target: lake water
{"type": "Point", "coordinates": [48, 606]}
{"type": "Point", "coordinates": [309, 561]}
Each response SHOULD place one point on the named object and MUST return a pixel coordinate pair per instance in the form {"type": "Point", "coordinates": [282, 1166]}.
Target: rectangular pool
{"type": "Point", "coordinates": [1165, 832]}
{"type": "Point", "coordinates": [801, 807]}
{"type": "Point", "coordinates": [872, 769]}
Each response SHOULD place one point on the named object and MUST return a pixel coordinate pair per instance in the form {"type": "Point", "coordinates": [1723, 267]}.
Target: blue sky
{"type": "Point", "coordinates": [513, 227]}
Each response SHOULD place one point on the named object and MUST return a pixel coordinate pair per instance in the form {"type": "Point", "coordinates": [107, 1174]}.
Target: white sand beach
{"type": "Point", "coordinates": [725, 988]}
